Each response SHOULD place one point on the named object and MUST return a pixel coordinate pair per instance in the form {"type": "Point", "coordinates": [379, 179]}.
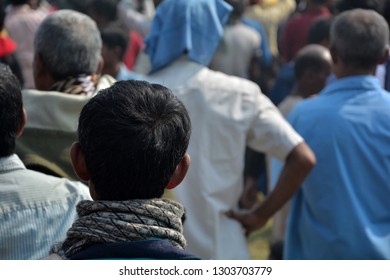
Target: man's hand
{"type": "Point", "coordinates": [298, 164]}
{"type": "Point", "coordinates": [249, 219]}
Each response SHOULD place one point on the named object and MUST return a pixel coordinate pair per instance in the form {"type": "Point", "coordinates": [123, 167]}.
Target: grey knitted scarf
{"type": "Point", "coordinates": [122, 221]}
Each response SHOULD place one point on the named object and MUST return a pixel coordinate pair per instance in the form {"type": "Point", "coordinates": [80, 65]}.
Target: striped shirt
{"type": "Point", "coordinates": [36, 210]}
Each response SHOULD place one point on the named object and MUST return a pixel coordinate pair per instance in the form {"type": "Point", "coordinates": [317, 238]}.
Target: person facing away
{"type": "Point", "coordinates": [227, 113]}
{"type": "Point", "coordinates": [35, 209]}
{"type": "Point", "coordinates": [21, 23]}
{"type": "Point", "coordinates": [67, 74]}
{"type": "Point", "coordinates": [132, 143]}
{"type": "Point", "coordinates": [239, 47]}
{"type": "Point", "coordinates": [342, 209]}
{"type": "Point", "coordinates": [319, 33]}
{"type": "Point", "coordinates": [312, 67]}
{"type": "Point", "coordinates": [295, 33]}
{"type": "Point", "coordinates": [115, 41]}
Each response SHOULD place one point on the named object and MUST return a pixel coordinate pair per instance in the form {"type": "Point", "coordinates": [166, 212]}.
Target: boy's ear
{"type": "Point", "coordinates": [78, 162]}
{"type": "Point", "coordinates": [180, 172]}
{"type": "Point", "coordinates": [22, 124]}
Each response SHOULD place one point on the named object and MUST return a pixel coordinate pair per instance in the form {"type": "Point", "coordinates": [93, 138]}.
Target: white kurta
{"type": "Point", "coordinates": [227, 113]}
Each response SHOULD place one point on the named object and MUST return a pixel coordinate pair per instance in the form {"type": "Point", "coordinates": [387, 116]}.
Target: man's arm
{"type": "Point", "coordinates": [298, 164]}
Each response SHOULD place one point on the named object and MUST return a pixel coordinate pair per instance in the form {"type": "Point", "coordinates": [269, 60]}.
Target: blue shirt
{"type": "Point", "coordinates": [36, 210]}
{"type": "Point", "coordinates": [342, 210]}
{"type": "Point", "coordinates": [283, 85]}
{"type": "Point", "coordinates": [125, 74]}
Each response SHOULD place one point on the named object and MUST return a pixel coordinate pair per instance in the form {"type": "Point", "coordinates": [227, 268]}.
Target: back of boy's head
{"type": "Point", "coordinates": [11, 110]}
{"type": "Point", "coordinates": [133, 135]}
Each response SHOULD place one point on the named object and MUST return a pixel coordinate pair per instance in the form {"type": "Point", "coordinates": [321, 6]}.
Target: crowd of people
{"type": "Point", "coordinates": [106, 104]}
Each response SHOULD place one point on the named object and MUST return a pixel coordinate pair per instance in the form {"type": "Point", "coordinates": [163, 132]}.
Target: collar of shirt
{"type": "Point", "coordinates": [349, 84]}
{"type": "Point", "coordinates": [11, 163]}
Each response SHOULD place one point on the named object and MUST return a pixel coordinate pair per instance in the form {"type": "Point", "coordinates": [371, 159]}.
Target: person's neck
{"type": "Point", "coordinates": [301, 91]}
{"type": "Point", "coordinates": [112, 70]}
{"type": "Point", "coordinates": [349, 72]}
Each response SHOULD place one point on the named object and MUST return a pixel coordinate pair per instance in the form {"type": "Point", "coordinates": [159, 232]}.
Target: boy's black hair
{"type": "Point", "coordinates": [11, 110]}
{"type": "Point", "coordinates": [133, 136]}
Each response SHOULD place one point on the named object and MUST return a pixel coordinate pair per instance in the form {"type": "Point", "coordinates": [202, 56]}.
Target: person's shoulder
{"type": "Point", "coordinates": [228, 83]}
{"type": "Point", "coordinates": [53, 184]}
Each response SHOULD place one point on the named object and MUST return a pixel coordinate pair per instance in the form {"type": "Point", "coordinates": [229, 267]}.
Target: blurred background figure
{"type": "Point", "coordinates": [295, 32]}
{"type": "Point", "coordinates": [240, 46]}
{"type": "Point", "coordinates": [115, 43]}
{"type": "Point", "coordinates": [312, 67]}
{"type": "Point", "coordinates": [319, 33]}
{"type": "Point", "coordinates": [21, 23]}
{"type": "Point", "coordinates": [106, 13]}
{"type": "Point", "coordinates": [8, 51]}
{"type": "Point", "coordinates": [137, 15]}
{"type": "Point", "coordinates": [271, 13]}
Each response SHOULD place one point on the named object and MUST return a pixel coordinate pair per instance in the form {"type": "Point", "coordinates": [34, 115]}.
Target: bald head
{"type": "Point", "coordinates": [312, 66]}
{"type": "Point", "coordinates": [312, 58]}
{"type": "Point", "coordinates": [359, 39]}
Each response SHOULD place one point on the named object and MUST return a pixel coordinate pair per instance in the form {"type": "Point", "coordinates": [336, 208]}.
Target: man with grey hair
{"type": "Point", "coordinates": [342, 210]}
{"type": "Point", "coordinates": [67, 64]}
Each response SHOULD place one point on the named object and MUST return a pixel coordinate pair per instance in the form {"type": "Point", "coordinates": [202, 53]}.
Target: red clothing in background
{"type": "Point", "coordinates": [135, 46]}
{"type": "Point", "coordinates": [297, 29]}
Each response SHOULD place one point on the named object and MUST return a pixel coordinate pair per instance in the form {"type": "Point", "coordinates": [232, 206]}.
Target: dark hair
{"type": "Point", "coordinates": [238, 10]}
{"type": "Point", "coordinates": [133, 136]}
{"type": "Point", "coordinates": [105, 8]}
{"type": "Point", "coordinates": [320, 30]}
{"type": "Point", "coordinates": [319, 2]}
{"type": "Point", "coordinates": [11, 110]}
{"type": "Point", "coordinates": [18, 2]}
{"type": "Point", "coordinates": [115, 36]}
{"type": "Point", "coordinates": [376, 5]}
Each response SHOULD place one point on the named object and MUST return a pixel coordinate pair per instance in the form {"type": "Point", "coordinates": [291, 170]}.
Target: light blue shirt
{"type": "Point", "coordinates": [36, 210]}
{"type": "Point", "coordinates": [125, 74]}
{"type": "Point", "coordinates": [342, 210]}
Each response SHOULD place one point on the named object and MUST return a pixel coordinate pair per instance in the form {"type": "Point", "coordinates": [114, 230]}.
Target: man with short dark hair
{"type": "Point", "coordinates": [342, 210]}
{"type": "Point", "coordinates": [132, 143]}
{"type": "Point", "coordinates": [35, 209]}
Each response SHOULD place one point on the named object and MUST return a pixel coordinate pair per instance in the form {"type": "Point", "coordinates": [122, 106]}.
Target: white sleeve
{"type": "Point", "coordinates": [270, 133]}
